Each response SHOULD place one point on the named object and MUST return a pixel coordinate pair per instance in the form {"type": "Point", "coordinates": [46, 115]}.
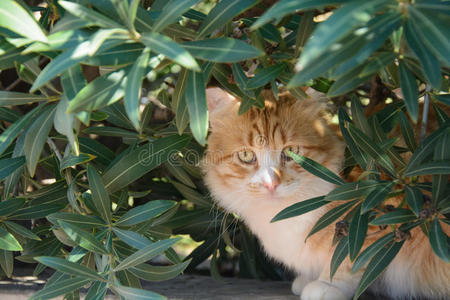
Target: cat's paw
{"type": "Point", "coordinates": [320, 290]}
{"type": "Point", "coordinates": [299, 284]}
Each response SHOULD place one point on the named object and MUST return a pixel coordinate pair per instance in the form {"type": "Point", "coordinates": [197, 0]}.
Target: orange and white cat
{"type": "Point", "coordinates": [249, 173]}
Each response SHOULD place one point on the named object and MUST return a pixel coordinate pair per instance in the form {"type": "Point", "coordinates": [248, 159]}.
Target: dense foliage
{"type": "Point", "coordinates": [104, 118]}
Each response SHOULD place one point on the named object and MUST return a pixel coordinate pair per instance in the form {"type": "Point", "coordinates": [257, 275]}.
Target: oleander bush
{"type": "Point", "coordinates": [104, 120]}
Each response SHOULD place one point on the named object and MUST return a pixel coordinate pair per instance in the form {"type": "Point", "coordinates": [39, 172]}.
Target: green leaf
{"type": "Point", "coordinates": [68, 267]}
{"type": "Point", "coordinates": [10, 134]}
{"type": "Point", "coordinates": [171, 12]}
{"type": "Point", "coordinates": [167, 47]}
{"type": "Point", "coordinates": [376, 266]}
{"type": "Point", "coordinates": [73, 160]}
{"type": "Point", "coordinates": [414, 198]}
{"type": "Point", "coordinates": [353, 190]}
{"type": "Point", "coordinates": [21, 230]}
{"type": "Point", "coordinates": [159, 273]}
{"type": "Point", "coordinates": [428, 61]}
{"type": "Point", "coordinates": [341, 22]}
{"type": "Point", "coordinates": [35, 211]}
{"type": "Point", "coordinates": [88, 15]}
{"type": "Point", "coordinates": [359, 118]}
{"type": "Point", "coordinates": [284, 7]}
{"type": "Point", "coordinates": [18, 20]}
{"type": "Point", "coordinates": [377, 196]}
{"type": "Point", "coordinates": [331, 216]}
{"type": "Point", "coordinates": [137, 294]}
{"type": "Point", "coordinates": [265, 76]}
{"type": "Point", "coordinates": [348, 82]}
{"type": "Point", "coordinates": [145, 254]}
{"type": "Point", "coordinates": [340, 253]}
{"type": "Point", "coordinates": [370, 251]}
{"type": "Point", "coordinates": [61, 287]}
{"type": "Point", "coordinates": [410, 91]}
{"type": "Point", "coordinates": [11, 205]}
{"type": "Point", "coordinates": [226, 50]}
{"type": "Point", "coordinates": [133, 88]}
{"type": "Point", "coordinates": [123, 54]}
{"type": "Point", "coordinates": [407, 132]}
{"type": "Point", "coordinates": [357, 232]}
{"type": "Point", "coordinates": [195, 97]}
{"type": "Point", "coordinates": [9, 165]}
{"type": "Point", "coordinates": [145, 212]}
{"type": "Point", "coordinates": [132, 238]}
{"type": "Point", "coordinates": [399, 215]}
{"type": "Point", "coordinates": [317, 169]}
{"type": "Point", "coordinates": [103, 154]}
{"type": "Point", "coordinates": [83, 221]}
{"type": "Point", "coordinates": [371, 148]}
{"type": "Point", "coordinates": [434, 167]}
{"type": "Point", "coordinates": [99, 194]}
{"type": "Point", "coordinates": [8, 241]}
{"type": "Point", "coordinates": [111, 131]}
{"type": "Point", "coordinates": [439, 241]}
{"type": "Point", "coordinates": [37, 136]}
{"type": "Point", "coordinates": [97, 291]}
{"type": "Point", "coordinates": [443, 98]}
{"type": "Point", "coordinates": [300, 208]}
{"type": "Point", "coordinates": [64, 123]}
{"type": "Point", "coordinates": [82, 238]}
{"type": "Point", "coordinates": [440, 182]}
{"type": "Point", "coordinates": [142, 160]}
{"type": "Point", "coordinates": [222, 13]}
{"type": "Point", "coordinates": [15, 98]}
{"type": "Point", "coordinates": [100, 92]}
{"type": "Point", "coordinates": [7, 262]}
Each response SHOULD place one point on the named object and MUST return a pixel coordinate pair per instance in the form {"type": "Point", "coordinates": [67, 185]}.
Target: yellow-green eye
{"type": "Point", "coordinates": [285, 153]}
{"type": "Point", "coordinates": [247, 156]}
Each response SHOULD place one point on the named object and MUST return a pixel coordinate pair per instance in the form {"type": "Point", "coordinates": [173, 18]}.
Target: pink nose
{"type": "Point", "coordinates": [272, 185]}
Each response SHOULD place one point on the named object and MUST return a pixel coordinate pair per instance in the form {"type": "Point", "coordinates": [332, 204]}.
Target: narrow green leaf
{"type": "Point", "coordinates": [226, 50]}
{"type": "Point", "coordinates": [15, 98]}
{"type": "Point", "coordinates": [137, 294]}
{"type": "Point", "coordinates": [265, 76]}
{"type": "Point", "coordinates": [359, 118]}
{"type": "Point", "coordinates": [11, 205]}
{"type": "Point", "coordinates": [61, 288]}
{"type": "Point", "coordinates": [132, 238]}
{"type": "Point", "coordinates": [399, 215]}
{"type": "Point", "coordinates": [9, 165]}
{"type": "Point", "coordinates": [317, 169]}
{"type": "Point", "coordinates": [407, 132]}
{"type": "Point", "coordinates": [375, 197]}
{"type": "Point", "coordinates": [68, 267]}
{"type": "Point", "coordinates": [434, 167]}
{"type": "Point", "coordinates": [99, 194]}
{"type": "Point", "coordinates": [73, 160]}
{"type": "Point", "coordinates": [376, 266]}
{"type": "Point", "coordinates": [410, 91]}
{"type": "Point", "coordinates": [162, 44]}
{"type": "Point", "coordinates": [378, 62]}
{"type": "Point", "coordinates": [340, 253]}
{"type": "Point", "coordinates": [331, 216]}
{"type": "Point", "coordinates": [371, 148]}
{"type": "Point", "coordinates": [145, 254]}
{"type": "Point", "coordinates": [440, 182]}
{"type": "Point", "coordinates": [353, 190]}
{"type": "Point", "coordinates": [103, 154]}
{"type": "Point", "coordinates": [37, 137]}
{"type": "Point", "coordinates": [8, 241]}
{"type": "Point", "coordinates": [35, 211]}
{"type": "Point", "coordinates": [88, 15]}
{"type": "Point", "coordinates": [141, 160]}
{"type": "Point", "coordinates": [414, 198]}
{"type": "Point", "coordinates": [82, 238]}
{"type": "Point", "coordinates": [159, 273]}
{"type": "Point", "coordinates": [145, 212]}
{"type": "Point", "coordinates": [100, 92]}
{"type": "Point", "coordinates": [439, 241]}
{"type": "Point", "coordinates": [196, 102]}
{"type": "Point", "coordinates": [21, 230]}
{"type": "Point", "coordinates": [171, 12]}
{"type": "Point", "coordinates": [221, 13]}
{"type": "Point", "coordinates": [111, 131]}
{"type": "Point", "coordinates": [18, 20]}
{"type": "Point", "coordinates": [7, 262]}
{"type": "Point", "coordinates": [65, 122]}
{"type": "Point", "coordinates": [83, 221]}
{"type": "Point", "coordinates": [357, 232]}
{"type": "Point", "coordinates": [348, 82]}
{"type": "Point", "coordinates": [370, 251]}
{"type": "Point", "coordinates": [443, 98]}
{"type": "Point", "coordinates": [97, 291]}
{"type": "Point", "coordinates": [300, 208]}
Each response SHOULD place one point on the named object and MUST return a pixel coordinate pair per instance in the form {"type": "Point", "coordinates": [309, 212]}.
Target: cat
{"type": "Point", "coordinates": [249, 172]}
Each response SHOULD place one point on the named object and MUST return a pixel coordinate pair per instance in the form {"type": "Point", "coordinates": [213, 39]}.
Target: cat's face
{"type": "Point", "coordinates": [248, 160]}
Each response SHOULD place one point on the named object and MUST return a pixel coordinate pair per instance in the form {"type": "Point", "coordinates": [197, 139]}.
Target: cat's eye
{"type": "Point", "coordinates": [247, 156]}
{"type": "Point", "coordinates": [285, 153]}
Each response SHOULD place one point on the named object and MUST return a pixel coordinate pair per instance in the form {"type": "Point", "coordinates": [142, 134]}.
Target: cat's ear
{"type": "Point", "coordinates": [217, 100]}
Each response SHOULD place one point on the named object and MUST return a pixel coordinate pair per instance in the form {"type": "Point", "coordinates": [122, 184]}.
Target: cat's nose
{"type": "Point", "coordinates": [272, 179]}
